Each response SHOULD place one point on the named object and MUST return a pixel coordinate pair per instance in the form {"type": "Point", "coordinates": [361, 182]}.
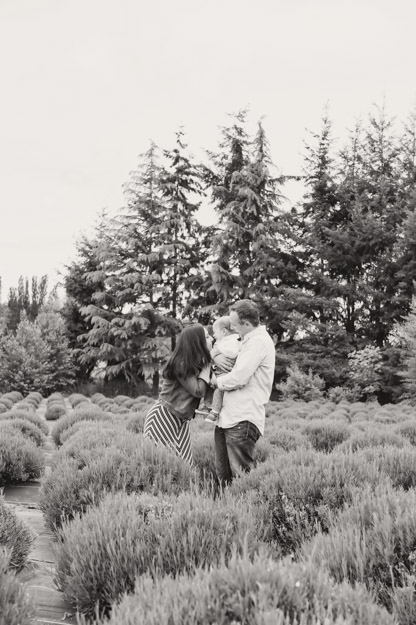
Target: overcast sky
{"type": "Point", "coordinates": [86, 83]}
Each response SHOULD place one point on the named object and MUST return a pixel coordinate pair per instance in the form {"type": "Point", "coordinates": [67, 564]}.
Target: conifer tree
{"type": "Point", "coordinates": [26, 299]}
{"type": "Point", "coordinates": [79, 294]}
{"type": "Point", "coordinates": [404, 338]}
{"type": "Point", "coordinates": [136, 256]}
{"type": "Point", "coordinates": [221, 177]}
{"type": "Point", "coordinates": [181, 236]}
{"type": "Point", "coordinates": [251, 252]}
{"type": "Point", "coordinates": [381, 200]}
{"type": "Point", "coordinates": [148, 257]}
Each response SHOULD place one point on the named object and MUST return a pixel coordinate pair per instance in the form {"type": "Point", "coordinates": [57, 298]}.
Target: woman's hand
{"type": "Point", "coordinates": [224, 362]}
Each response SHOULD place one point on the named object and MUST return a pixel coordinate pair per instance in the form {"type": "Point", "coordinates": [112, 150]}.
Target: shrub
{"type": "Point", "coordinates": [120, 399]}
{"type": "Point", "coordinates": [3, 408]}
{"type": "Point", "coordinates": [15, 535]}
{"type": "Point", "coordinates": [55, 396]}
{"type": "Point", "coordinates": [142, 403]}
{"type": "Point", "coordinates": [137, 466]}
{"type": "Point", "coordinates": [120, 410]}
{"type": "Point", "coordinates": [204, 458]}
{"type": "Point", "coordinates": [7, 403]}
{"type": "Point", "coordinates": [338, 394]}
{"type": "Point", "coordinates": [95, 430]}
{"type": "Point", "coordinates": [54, 411]}
{"type": "Point", "coordinates": [408, 430]}
{"type": "Point", "coordinates": [35, 358]}
{"type": "Point", "coordinates": [372, 438]}
{"type": "Point", "coordinates": [65, 422]}
{"type": "Point", "coordinates": [15, 606]}
{"type": "Point", "coordinates": [24, 405]}
{"type": "Point", "coordinates": [31, 418]}
{"type": "Point", "coordinates": [300, 385]}
{"type": "Point", "coordinates": [34, 396]}
{"type": "Point", "coordinates": [96, 397]}
{"type": "Point", "coordinates": [99, 556]}
{"type": "Point", "coordinates": [76, 398]}
{"type": "Point", "coordinates": [294, 492]}
{"type": "Point", "coordinates": [287, 439]}
{"type": "Point", "coordinates": [128, 403]}
{"type": "Point", "coordinates": [20, 459]}
{"type": "Point", "coordinates": [372, 541]}
{"type": "Point", "coordinates": [83, 405]}
{"type": "Point", "coordinates": [28, 429]}
{"type": "Point", "coordinates": [135, 421]}
{"type": "Point", "coordinates": [399, 465]}
{"type": "Point", "coordinates": [15, 396]}
{"type": "Point", "coordinates": [256, 590]}
{"type": "Point", "coordinates": [86, 440]}
{"type": "Point", "coordinates": [326, 435]}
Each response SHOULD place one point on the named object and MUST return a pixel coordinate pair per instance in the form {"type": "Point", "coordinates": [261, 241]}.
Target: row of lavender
{"type": "Point", "coordinates": [322, 530]}
{"type": "Point", "coordinates": [23, 432]}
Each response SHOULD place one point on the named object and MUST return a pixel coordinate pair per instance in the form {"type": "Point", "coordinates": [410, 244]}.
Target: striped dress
{"type": "Point", "coordinates": [162, 427]}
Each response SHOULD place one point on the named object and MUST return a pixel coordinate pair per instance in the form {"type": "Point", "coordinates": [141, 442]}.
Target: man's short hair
{"type": "Point", "coordinates": [246, 311]}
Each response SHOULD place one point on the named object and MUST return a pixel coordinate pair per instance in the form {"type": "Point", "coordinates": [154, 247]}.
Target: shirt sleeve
{"type": "Point", "coordinates": [197, 385]}
{"type": "Point", "coordinates": [215, 351]}
{"type": "Point", "coordinates": [248, 360]}
{"type": "Point", "coordinates": [230, 350]}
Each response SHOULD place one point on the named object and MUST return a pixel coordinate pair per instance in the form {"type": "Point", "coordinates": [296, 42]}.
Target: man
{"type": "Point", "coordinates": [247, 390]}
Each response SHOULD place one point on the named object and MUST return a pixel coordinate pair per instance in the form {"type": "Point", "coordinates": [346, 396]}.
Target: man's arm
{"type": "Point", "coordinates": [223, 362]}
{"type": "Point", "coordinates": [248, 361]}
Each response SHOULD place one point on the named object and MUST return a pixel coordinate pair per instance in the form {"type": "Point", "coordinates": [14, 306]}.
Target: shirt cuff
{"type": "Point", "coordinates": [205, 374]}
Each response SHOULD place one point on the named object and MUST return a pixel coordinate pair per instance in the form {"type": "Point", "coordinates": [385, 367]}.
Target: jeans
{"type": "Point", "coordinates": [234, 449]}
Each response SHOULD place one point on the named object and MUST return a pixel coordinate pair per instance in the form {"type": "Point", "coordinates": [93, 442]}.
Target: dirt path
{"type": "Point", "coordinates": [51, 607]}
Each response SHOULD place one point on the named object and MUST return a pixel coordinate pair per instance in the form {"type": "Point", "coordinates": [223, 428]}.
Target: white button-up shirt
{"type": "Point", "coordinates": [249, 385]}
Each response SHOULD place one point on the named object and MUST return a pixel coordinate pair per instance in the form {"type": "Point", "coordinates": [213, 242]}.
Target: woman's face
{"type": "Point", "coordinates": [208, 339]}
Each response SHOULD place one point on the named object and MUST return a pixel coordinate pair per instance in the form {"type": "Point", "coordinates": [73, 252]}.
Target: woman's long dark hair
{"type": "Point", "coordinates": [190, 355]}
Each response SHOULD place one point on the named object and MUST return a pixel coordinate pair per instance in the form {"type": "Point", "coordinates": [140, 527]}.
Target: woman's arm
{"type": "Point", "coordinates": [197, 385]}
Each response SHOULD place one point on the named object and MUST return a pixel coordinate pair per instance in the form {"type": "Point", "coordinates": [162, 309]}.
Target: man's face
{"type": "Point", "coordinates": [241, 327]}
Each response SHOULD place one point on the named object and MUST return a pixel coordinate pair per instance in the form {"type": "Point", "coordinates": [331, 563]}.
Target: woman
{"type": "Point", "coordinates": [185, 381]}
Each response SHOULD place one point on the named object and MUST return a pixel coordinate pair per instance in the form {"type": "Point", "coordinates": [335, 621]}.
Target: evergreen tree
{"type": "Point", "coordinates": [139, 263]}
{"type": "Point", "coordinates": [314, 338]}
{"type": "Point", "coordinates": [124, 332]}
{"type": "Point", "coordinates": [181, 236]}
{"type": "Point", "coordinates": [224, 184]}
{"type": "Point", "coordinates": [79, 294]}
{"type": "Point", "coordinates": [403, 337]}
{"type": "Point", "coordinates": [149, 260]}
{"type": "Point", "coordinates": [405, 248]}
{"type": "Point", "coordinates": [25, 299]}
{"type": "Point", "coordinates": [382, 201]}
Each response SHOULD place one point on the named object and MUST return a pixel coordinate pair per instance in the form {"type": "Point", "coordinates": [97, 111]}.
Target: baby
{"type": "Point", "coordinates": [227, 343]}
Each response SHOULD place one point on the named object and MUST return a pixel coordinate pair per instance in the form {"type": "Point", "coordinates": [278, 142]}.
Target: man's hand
{"type": "Point", "coordinates": [224, 362]}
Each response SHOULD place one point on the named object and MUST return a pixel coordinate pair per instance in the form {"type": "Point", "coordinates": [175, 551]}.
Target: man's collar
{"type": "Point", "coordinates": [252, 333]}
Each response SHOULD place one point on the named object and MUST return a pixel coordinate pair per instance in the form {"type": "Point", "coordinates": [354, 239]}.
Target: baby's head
{"type": "Point", "coordinates": [222, 328]}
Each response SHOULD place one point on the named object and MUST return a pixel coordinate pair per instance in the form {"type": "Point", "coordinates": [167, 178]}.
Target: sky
{"type": "Point", "coordinates": [85, 84]}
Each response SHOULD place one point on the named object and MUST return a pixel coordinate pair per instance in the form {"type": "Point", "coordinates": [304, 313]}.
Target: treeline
{"type": "Point", "coordinates": [333, 274]}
